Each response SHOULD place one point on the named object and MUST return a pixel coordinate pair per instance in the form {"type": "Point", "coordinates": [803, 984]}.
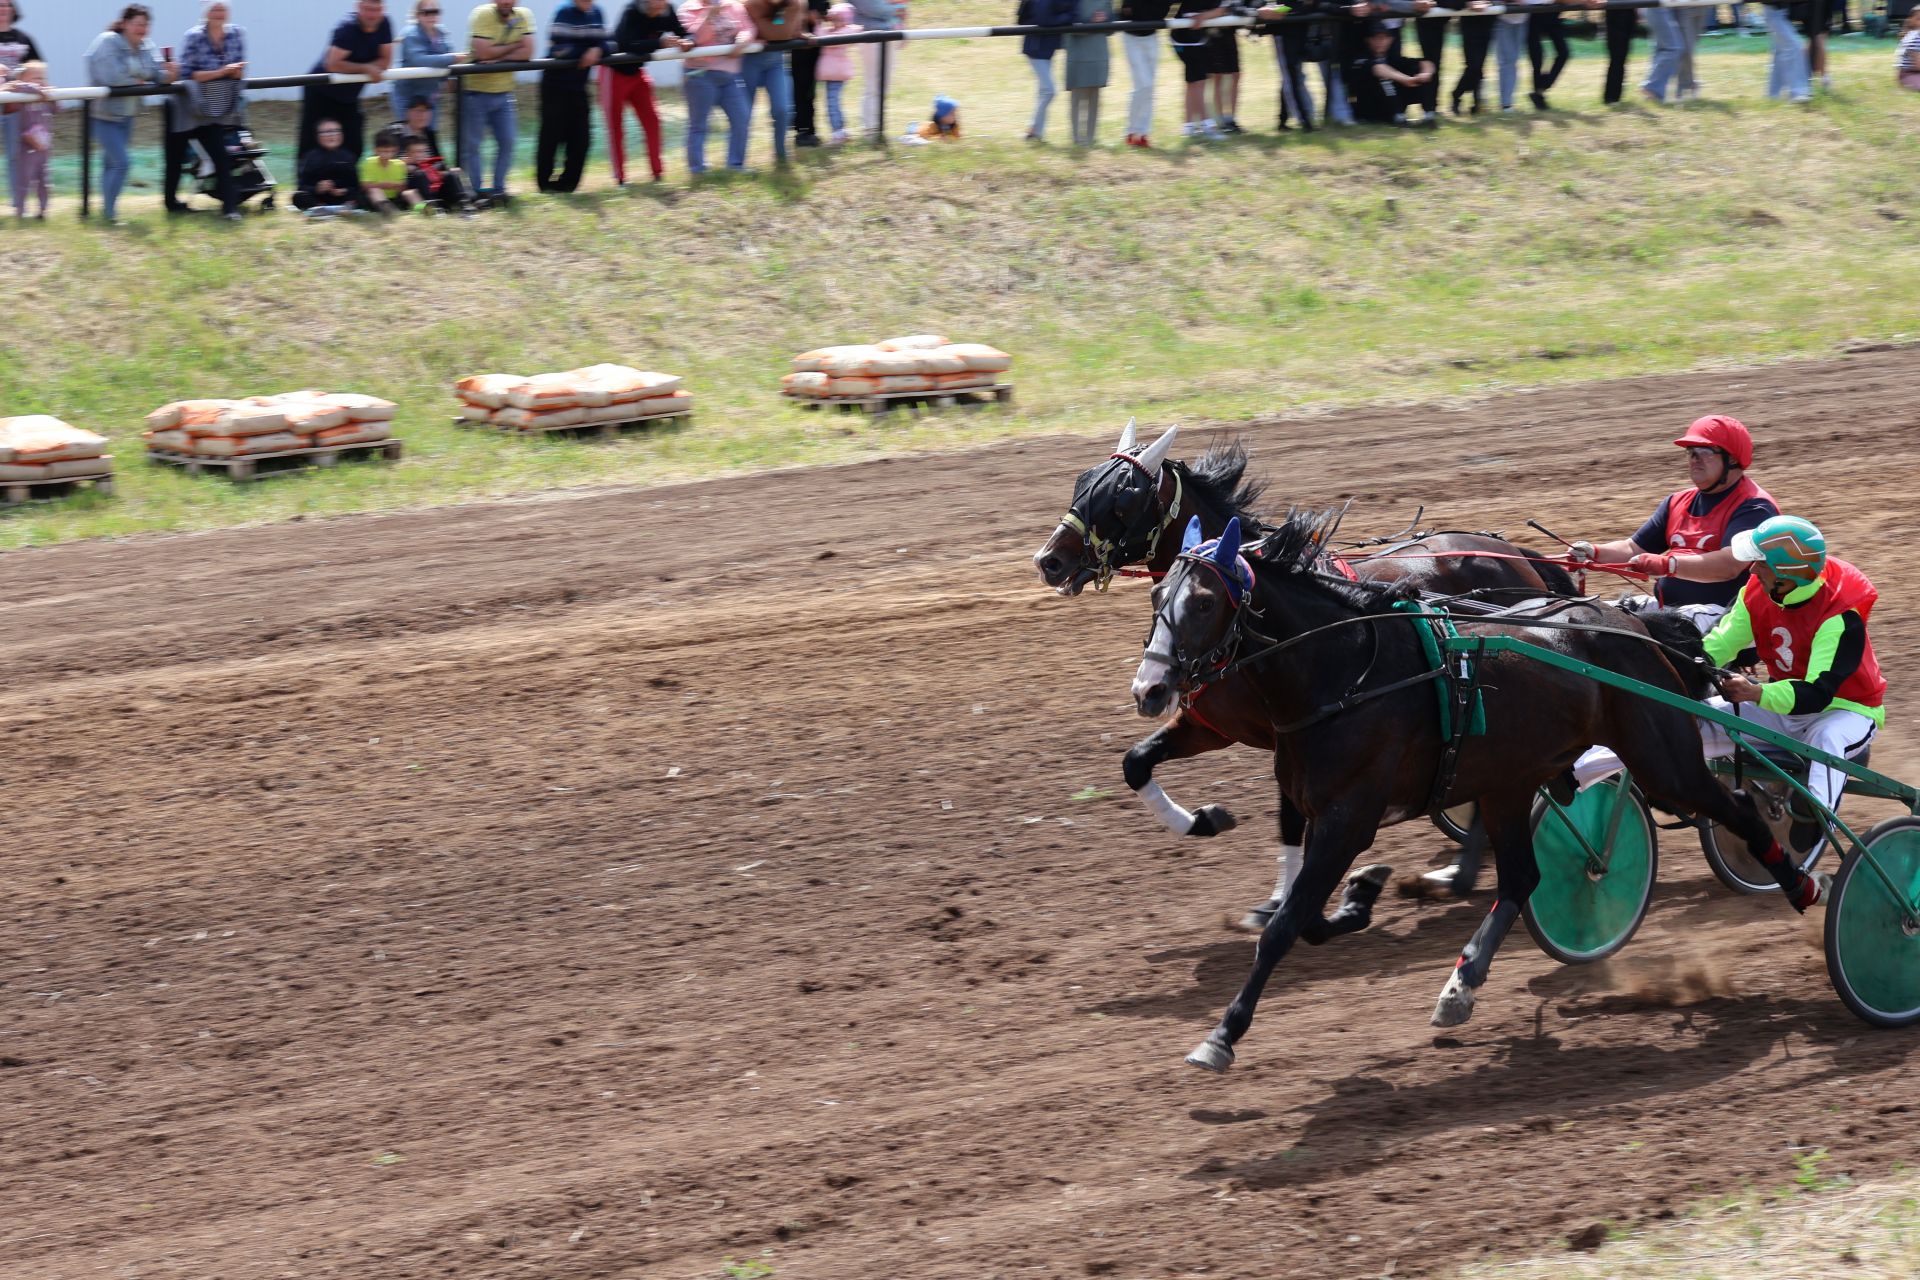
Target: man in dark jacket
{"type": "Point", "coordinates": [579, 34]}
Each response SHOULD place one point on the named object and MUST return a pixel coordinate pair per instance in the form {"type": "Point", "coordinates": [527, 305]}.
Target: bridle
{"type": "Point", "coordinates": [1110, 554]}
{"type": "Point", "coordinates": [1194, 672]}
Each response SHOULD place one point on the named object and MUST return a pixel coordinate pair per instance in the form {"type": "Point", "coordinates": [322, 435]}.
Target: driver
{"type": "Point", "coordinates": [1806, 613]}
{"type": "Point", "coordinates": [1686, 545]}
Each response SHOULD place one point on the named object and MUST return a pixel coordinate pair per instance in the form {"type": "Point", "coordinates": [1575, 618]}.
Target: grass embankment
{"type": "Point", "coordinates": [1264, 274]}
{"type": "Point", "coordinates": [1818, 1226]}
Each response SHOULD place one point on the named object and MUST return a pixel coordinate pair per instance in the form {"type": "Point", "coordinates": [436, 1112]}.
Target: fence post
{"type": "Point", "coordinates": [86, 160]}
{"type": "Point", "coordinates": [459, 134]}
{"type": "Point", "coordinates": [881, 113]}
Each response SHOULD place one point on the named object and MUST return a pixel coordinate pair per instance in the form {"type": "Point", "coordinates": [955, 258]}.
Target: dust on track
{"type": "Point", "coordinates": [612, 885]}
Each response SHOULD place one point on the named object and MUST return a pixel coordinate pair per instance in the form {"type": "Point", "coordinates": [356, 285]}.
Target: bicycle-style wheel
{"type": "Point", "coordinates": [1598, 858]}
{"type": "Point", "coordinates": [1873, 929]}
{"type": "Point", "coordinates": [1453, 823]}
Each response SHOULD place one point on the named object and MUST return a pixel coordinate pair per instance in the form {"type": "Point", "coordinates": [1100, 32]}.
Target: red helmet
{"type": "Point", "coordinates": [1718, 431]}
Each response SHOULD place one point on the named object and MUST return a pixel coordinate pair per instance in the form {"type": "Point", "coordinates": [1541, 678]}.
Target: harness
{"type": "Point", "coordinates": [1463, 711]}
{"type": "Point", "coordinates": [1110, 554]}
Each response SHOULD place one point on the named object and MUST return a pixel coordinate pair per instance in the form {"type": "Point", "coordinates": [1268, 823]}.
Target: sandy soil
{"type": "Point", "coordinates": [616, 885]}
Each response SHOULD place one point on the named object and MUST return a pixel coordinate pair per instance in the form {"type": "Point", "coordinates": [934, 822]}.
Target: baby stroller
{"type": "Point", "coordinates": [251, 177]}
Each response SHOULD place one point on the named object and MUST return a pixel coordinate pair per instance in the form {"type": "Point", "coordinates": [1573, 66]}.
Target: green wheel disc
{"type": "Point", "coordinates": [1579, 914]}
{"type": "Point", "coordinates": [1873, 946]}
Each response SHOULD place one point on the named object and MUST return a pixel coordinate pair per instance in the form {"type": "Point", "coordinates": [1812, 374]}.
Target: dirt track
{"type": "Point", "coordinates": [614, 885]}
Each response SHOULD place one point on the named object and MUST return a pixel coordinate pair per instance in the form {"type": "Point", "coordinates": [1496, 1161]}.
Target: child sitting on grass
{"type": "Point", "coordinates": [944, 127]}
{"type": "Point", "coordinates": [383, 175]}
{"type": "Point", "coordinates": [431, 183]}
{"type": "Point", "coordinates": [33, 149]}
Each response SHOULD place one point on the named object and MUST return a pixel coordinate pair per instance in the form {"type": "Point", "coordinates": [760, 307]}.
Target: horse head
{"type": "Point", "coordinates": [1198, 615]}
{"type": "Point", "coordinates": [1116, 517]}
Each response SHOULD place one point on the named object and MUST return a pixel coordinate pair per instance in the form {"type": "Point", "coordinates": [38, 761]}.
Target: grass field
{"type": "Point", "coordinates": [1267, 274]}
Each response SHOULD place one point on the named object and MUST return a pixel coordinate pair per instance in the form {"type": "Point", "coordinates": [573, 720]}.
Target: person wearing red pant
{"type": "Point", "coordinates": [645, 27]}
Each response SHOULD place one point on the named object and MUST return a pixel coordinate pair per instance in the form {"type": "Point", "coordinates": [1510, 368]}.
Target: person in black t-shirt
{"type": "Point", "coordinates": [1190, 44]}
{"type": "Point", "coordinates": [361, 45]}
{"type": "Point", "coordinates": [1384, 86]}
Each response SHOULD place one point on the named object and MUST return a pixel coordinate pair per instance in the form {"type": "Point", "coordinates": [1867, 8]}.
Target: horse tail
{"type": "Point", "coordinates": [1557, 579]}
{"type": "Point", "coordinates": [1676, 631]}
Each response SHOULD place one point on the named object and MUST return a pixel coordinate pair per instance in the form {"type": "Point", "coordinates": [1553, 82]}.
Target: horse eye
{"type": "Point", "coordinates": [1203, 604]}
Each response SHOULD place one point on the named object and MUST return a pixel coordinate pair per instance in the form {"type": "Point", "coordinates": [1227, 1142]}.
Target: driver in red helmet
{"type": "Point", "coordinates": [1686, 546]}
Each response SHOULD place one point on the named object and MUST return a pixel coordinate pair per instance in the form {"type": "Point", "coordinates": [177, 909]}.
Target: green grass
{"type": "Point", "coordinates": [1270, 274]}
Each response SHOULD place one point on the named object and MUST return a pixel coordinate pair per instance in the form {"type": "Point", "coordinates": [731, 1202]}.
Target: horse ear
{"type": "Point", "coordinates": [1126, 438]}
{"type": "Point", "coordinates": [1192, 538]}
{"type": "Point", "coordinates": [1156, 453]}
{"type": "Point", "coordinates": [1227, 552]}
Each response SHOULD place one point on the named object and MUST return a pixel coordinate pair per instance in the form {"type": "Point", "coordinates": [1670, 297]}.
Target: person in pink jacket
{"type": "Point", "coordinates": [836, 65]}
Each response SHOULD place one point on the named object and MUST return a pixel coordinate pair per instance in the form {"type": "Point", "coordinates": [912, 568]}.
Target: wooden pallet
{"type": "Point", "coordinates": [19, 491]}
{"type": "Point", "coordinates": [243, 470]}
{"type": "Point", "coordinates": [602, 430]}
{"type": "Point", "coordinates": [959, 397]}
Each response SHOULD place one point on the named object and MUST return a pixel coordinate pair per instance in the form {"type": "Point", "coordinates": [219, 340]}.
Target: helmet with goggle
{"type": "Point", "coordinates": [1790, 546]}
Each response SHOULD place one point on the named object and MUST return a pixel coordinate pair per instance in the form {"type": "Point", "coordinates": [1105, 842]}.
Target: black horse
{"type": "Point", "coordinates": [1122, 513]}
{"type": "Point", "coordinates": [1357, 736]}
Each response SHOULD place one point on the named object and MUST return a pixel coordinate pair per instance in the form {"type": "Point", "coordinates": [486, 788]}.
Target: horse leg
{"type": "Point", "coordinates": [1508, 819]}
{"type": "Point", "coordinates": [1293, 848]}
{"type": "Point", "coordinates": [1332, 845]}
{"type": "Point", "coordinates": [1178, 739]}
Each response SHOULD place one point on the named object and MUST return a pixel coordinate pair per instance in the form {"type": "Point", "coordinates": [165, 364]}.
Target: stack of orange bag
{"type": "Point", "coordinates": [600, 393]}
{"type": "Point", "coordinates": [38, 447]}
{"type": "Point", "coordinates": [285, 423]}
{"type": "Point", "coordinates": [922, 363]}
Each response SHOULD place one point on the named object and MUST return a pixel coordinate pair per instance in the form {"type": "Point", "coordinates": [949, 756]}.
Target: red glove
{"type": "Point", "coordinates": [1652, 564]}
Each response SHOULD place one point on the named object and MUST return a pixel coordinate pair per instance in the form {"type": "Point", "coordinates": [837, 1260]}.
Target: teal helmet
{"type": "Point", "coordinates": [1791, 547]}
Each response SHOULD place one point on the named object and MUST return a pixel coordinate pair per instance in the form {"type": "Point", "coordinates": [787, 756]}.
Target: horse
{"type": "Point", "coordinates": [1334, 657]}
{"type": "Point", "coordinates": [1120, 514]}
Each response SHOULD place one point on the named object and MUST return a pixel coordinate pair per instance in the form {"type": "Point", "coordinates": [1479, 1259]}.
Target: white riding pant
{"type": "Point", "coordinates": [1836, 731]}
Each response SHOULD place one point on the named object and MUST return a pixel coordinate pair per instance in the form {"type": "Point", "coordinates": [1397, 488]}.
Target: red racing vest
{"type": "Point", "coordinates": [1697, 535]}
{"type": "Point", "coordinates": [1784, 634]}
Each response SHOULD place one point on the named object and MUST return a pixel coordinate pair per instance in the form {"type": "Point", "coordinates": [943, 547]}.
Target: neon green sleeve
{"type": "Point", "coordinates": [1731, 634]}
{"type": "Point", "coordinates": [1782, 696]}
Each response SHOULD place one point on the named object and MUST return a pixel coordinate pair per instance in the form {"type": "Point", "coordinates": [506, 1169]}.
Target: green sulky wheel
{"type": "Point", "coordinates": [1873, 931]}
{"type": "Point", "coordinates": [1593, 892]}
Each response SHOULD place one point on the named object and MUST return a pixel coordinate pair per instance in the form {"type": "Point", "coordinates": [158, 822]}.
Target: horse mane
{"type": "Point", "coordinates": [1219, 479]}
{"type": "Point", "coordinates": [1298, 543]}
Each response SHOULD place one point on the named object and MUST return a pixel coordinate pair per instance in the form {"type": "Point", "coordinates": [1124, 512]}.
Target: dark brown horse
{"type": "Point", "coordinates": [1357, 739]}
{"type": "Point", "coordinates": [1131, 509]}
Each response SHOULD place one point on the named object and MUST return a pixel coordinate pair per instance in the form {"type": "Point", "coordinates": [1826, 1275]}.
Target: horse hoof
{"type": "Point", "coordinates": [1212, 820]}
{"type": "Point", "coordinates": [1376, 875]}
{"type": "Point", "coordinates": [1455, 1005]}
{"type": "Point", "coordinates": [1211, 1056]}
{"type": "Point", "coordinates": [1255, 921]}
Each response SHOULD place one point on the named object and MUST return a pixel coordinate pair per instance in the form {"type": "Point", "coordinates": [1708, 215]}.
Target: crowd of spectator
{"type": "Point", "coordinates": [1379, 62]}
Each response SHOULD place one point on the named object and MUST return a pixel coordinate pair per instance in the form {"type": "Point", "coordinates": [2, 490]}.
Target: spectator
{"type": "Point", "coordinates": [1545, 29]}
{"type": "Point", "coordinates": [1087, 66]}
{"type": "Point", "coordinates": [1039, 51]}
{"type": "Point", "coordinates": [774, 22]}
{"type": "Point", "coordinates": [121, 56]}
{"type": "Point", "coordinates": [423, 44]}
{"type": "Point", "coordinates": [716, 81]}
{"type": "Point", "coordinates": [32, 149]}
{"type": "Point", "coordinates": [1622, 25]}
{"type": "Point", "coordinates": [1190, 46]}
{"type": "Point", "coordinates": [16, 50]}
{"type": "Point", "coordinates": [579, 33]}
{"type": "Point", "coordinates": [1788, 73]}
{"type": "Point", "coordinates": [1386, 84]}
{"type": "Point", "coordinates": [329, 174]}
{"type": "Point", "coordinates": [646, 27]}
{"type": "Point", "coordinates": [361, 45]}
{"type": "Point", "coordinates": [419, 124]}
{"type": "Point", "coordinates": [804, 65]}
{"type": "Point", "coordinates": [942, 126]}
{"type": "Point", "coordinates": [1509, 43]}
{"type": "Point", "coordinates": [499, 31]}
{"type": "Point", "coordinates": [1907, 65]}
{"type": "Point", "coordinates": [1290, 57]}
{"type": "Point", "coordinates": [878, 15]}
{"type": "Point", "coordinates": [1432, 33]}
{"type": "Point", "coordinates": [1693, 25]}
{"type": "Point", "coordinates": [433, 184]}
{"type": "Point", "coordinates": [1476, 39]}
{"type": "Point", "coordinates": [213, 61]}
{"type": "Point", "coordinates": [1143, 65]}
{"type": "Point", "coordinates": [1817, 20]}
{"type": "Point", "coordinates": [1325, 41]}
{"type": "Point", "coordinates": [1223, 73]}
{"type": "Point", "coordinates": [836, 67]}
{"type": "Point", "coordinates": [383, 175]}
